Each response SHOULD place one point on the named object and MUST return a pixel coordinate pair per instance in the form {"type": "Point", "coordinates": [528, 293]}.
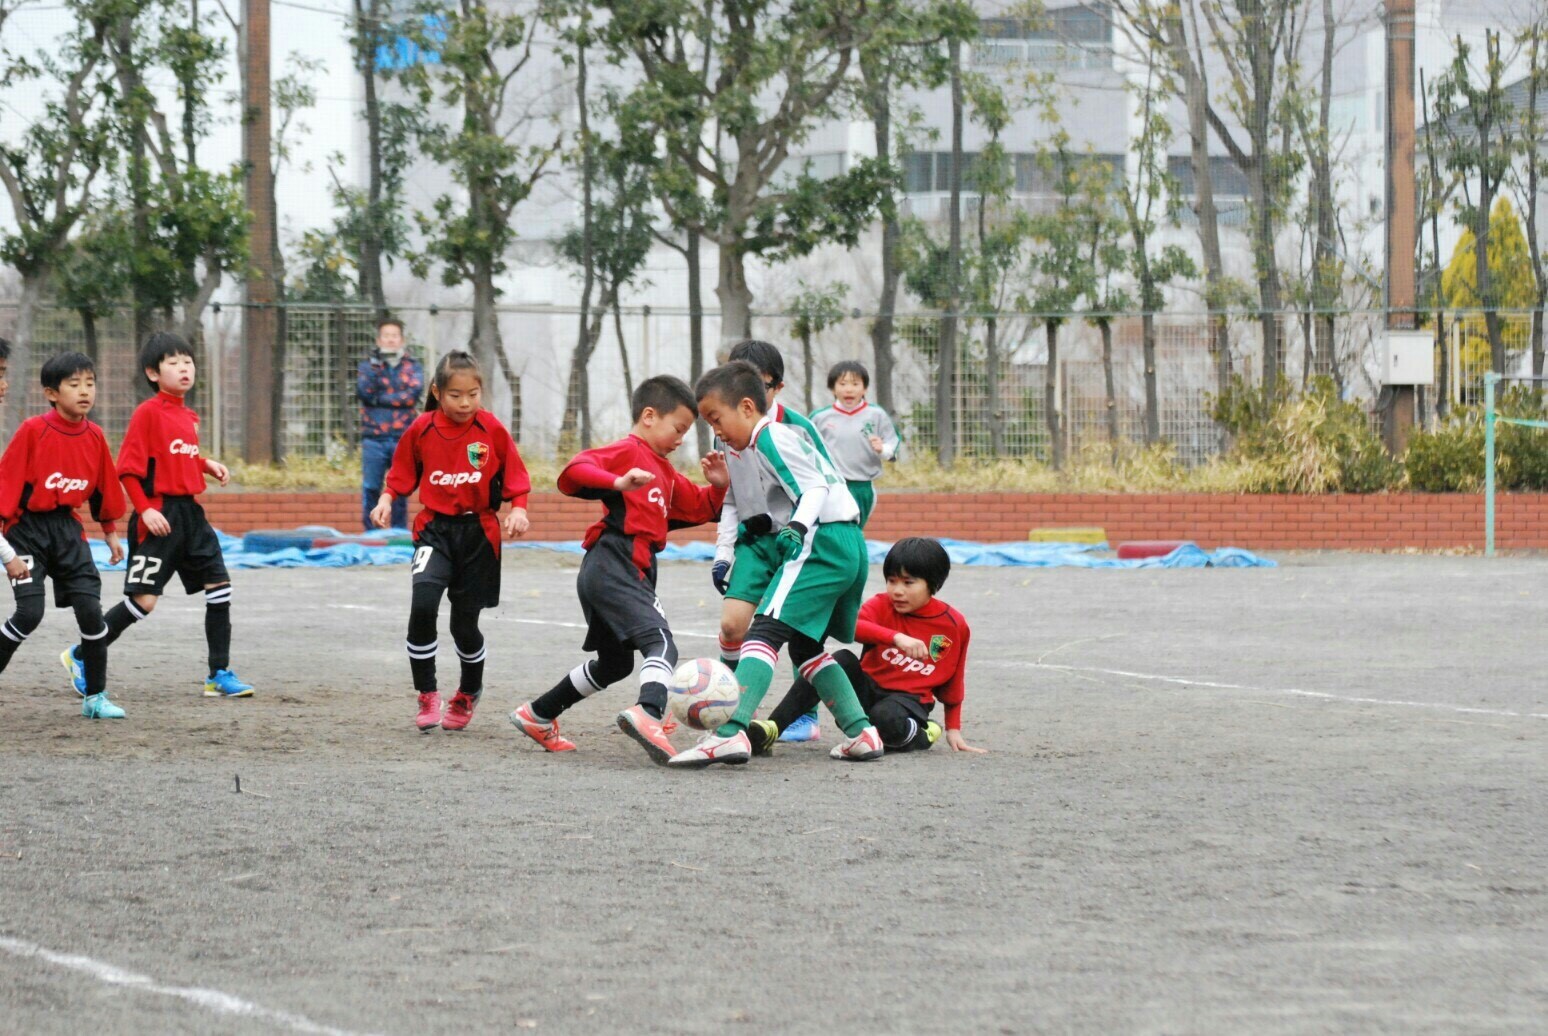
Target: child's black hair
{"type": "Point", "coordinates": [394, 321]}
{"type": "Point", "coordinates": [922, 558]}
{"type": "Point", "coordinates": [843, 367]}
{"type": "Point", "coordinates": [5, 348]}
{"type": "Point", "coordinates": [761, 355]}
{"type": "Point", "coordinates": [663, 394]}
{"type": "Point", "coordinates": [454, 362]}
{"type": "Point", "coordinates": [57, 368]}
{"type": "Point", "coordinates": [161, 345]}
{"type": "Point", "coordinates": [734, 382]}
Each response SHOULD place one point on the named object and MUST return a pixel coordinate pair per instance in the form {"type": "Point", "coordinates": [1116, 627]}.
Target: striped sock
{"type": "Point", "coordinates": [754, 672]}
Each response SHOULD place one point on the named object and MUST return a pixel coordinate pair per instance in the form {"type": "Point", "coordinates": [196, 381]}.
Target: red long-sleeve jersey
{"type": "Point", "coordinates": [940, 626]}
{"type": "Point", "coordinates": [159, 456]}
{"type": "Point", "coordinates": [646, 514]}
{"type": "Point", "coordinates": [52, 463]}
{"type": "Point", "coordinates": [468, 468]}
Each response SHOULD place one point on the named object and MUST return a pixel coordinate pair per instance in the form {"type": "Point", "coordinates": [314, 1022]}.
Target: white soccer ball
{"type": "Point", "coordinates": [703, 694]}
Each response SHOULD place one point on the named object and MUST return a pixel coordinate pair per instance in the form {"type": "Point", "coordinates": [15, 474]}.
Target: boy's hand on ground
{"type": "Point", "coordinates": [155, 522]}
{"type": "Point", "coordinates": [515, 523]}
{"type": "Point", "coordinates": [913, 647]}
{"type": "Point", "coordinates": [954, 739]}
{"type": "Point", "coordinates": [877, 444]}
{"type": "Point", "coordinates": [381, 514]}
{"type": "Point", "coordinates": [716, 473]}
{"type": "Point", "coordinates": [218, 471]}
{"type": "Point", "coordinates": [634, 478]}
{"type": "Point", "coordinates": [115, 548]}
{"type": "Point", "coordinates": [16, 568]}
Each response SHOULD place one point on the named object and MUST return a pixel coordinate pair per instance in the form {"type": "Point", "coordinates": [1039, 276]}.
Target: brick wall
{"type": "Point", "coordinates": [1335, 522]}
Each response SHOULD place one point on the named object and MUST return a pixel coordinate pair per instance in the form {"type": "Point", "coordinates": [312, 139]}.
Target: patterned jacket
{"type": "Point", "coordinates": [389, 396]}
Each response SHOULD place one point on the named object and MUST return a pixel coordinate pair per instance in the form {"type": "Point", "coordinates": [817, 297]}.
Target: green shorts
{"type": "Point", "coordinates": [756, 561]}
{"type": "Point", "coordinates": [818, 592]}
{"type": "Point", "coordinates": [865, 495]}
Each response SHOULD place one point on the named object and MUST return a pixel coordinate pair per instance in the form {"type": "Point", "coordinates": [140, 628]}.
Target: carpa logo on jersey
{"type": "Point", "coordinates": [186, 449]}
{"type": "Point", "coordinates": [908, 665]}
{"type": "Point", "coordinates": [452, 479]}
{"type": "Point", "coordinates": [66, 485]}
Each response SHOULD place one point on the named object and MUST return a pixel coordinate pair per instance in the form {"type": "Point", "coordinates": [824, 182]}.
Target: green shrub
{"type": "Point", "coordinates": [1451, 458]}
{"type": "Point", "coordinates": [1310, 443]}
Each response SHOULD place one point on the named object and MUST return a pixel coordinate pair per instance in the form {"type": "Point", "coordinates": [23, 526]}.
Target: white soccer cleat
{"type": "Point", "coordinates": [712, 748]}
{"type": "Point", "coordinates": [863, 747]}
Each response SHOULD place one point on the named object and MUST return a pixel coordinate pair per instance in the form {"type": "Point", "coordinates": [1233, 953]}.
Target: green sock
{"type": "Point", "coordinates": [755, 674]}
{"type": "Point", "coordinates": [838, 694]}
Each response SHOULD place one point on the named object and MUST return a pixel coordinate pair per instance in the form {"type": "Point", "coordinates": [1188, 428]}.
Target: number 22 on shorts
{"type": "Point", "coordinates": [421, 559]}
{"type": "Point", "coordinates": [143, 569]}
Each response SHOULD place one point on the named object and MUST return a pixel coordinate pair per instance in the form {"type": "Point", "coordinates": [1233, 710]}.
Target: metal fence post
{"type": "Point", "coordinates": [1490, 380]}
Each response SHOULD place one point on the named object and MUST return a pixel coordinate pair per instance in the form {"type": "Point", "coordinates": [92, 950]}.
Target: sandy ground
{"type": "Point", "coordinates": [1310, 799]}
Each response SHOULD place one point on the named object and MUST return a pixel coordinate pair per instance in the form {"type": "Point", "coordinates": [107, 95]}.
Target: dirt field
{"type": "Point", "coordinates": [1309, 799]}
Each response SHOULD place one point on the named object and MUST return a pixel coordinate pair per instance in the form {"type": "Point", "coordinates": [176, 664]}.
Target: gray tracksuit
{"type": "Point", "coordinates": [847, 435]}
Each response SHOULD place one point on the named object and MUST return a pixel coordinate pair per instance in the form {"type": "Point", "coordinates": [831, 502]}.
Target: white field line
{"type": "Point", "coordinates": [209, 999]}
{"type": "Point", "coordinates": [1289, 692]}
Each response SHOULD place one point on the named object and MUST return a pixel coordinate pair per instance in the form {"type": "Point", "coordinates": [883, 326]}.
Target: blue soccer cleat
{"type": "Point", "coordinates": [805, 728]}
{"type": "Point", "coordinates": [97, 706]}
{"type": "Point", "coordinates": [225, 684]}
{"type": "Point", "coordinates": [77, 671]}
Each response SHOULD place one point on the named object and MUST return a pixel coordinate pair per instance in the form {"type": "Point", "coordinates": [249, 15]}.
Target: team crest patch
{"type": "Point", "coordinates": [478, 452]}
{"type": "Point", "coordinates": [938, 646]}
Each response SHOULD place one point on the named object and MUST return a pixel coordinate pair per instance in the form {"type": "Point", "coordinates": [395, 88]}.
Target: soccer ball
{"type": "Point", "coordinates": [703, 694]}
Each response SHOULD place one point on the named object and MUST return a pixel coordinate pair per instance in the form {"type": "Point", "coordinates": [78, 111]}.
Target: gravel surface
{"type": "Point", "coordinates": [1307, 799]}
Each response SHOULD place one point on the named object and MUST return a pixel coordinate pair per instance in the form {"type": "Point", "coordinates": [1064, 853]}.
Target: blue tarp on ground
{"type": "Point", "coordinates": [1013, 555]}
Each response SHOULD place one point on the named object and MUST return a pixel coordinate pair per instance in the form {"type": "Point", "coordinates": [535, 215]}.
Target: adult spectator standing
{"type": "Point", "coordinates": [388, 385]}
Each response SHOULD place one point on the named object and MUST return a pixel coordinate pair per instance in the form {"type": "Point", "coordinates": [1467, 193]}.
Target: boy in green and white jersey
{"type": "Point", "coordinates": [816, 590]}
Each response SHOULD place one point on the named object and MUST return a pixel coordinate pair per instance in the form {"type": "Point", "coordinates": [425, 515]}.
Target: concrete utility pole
{"type": "Point", "coordinates": [1402, 227]}
{"type": "Point", "coordinates": [259, 387]}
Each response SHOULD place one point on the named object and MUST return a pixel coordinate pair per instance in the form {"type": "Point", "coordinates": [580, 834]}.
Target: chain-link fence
{"type": "Point", "coordinates": [322, 346]}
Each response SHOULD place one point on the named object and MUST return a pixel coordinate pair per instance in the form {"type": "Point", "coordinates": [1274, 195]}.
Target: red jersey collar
{"type": "Point", "coordinates": [839, 407]}
{"type": "Point", "coordinates": [168, 399]}
{"type": "Point", "coordinates": [934, 610]}
{"type": "Point", "coordinates": [444, 423]}
{"type": "Point", "coordinates": [59, 424]}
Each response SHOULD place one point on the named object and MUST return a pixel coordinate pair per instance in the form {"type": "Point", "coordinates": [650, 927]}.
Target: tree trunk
{"type": "Point", "coordinates": [1267, 269]}
{"type": "Point", "coordinates": [1051, 414]}
{"type": "Point", "coordinates": [1324, 262]}
{"type": "Point", "coordinates": [20, 371]}
{"type": "Point", "coordinates": [89, 335]}
{"type": "Point", "coordinates": [369, 37]}
{"type": "Point", "coordinates": [992, 384]}
{"type": "Point", "coordinates": [806, 369]}
{"type": "Point", "coordinates": [1152, 395]}
{"type": "Point", "coordinates": [696, 329]}
{"type": "Point", "coordinates": [946, 366]}
{"type": "Point", "coordinates": [577, 410]}
{"type": "Point", "coordinates": [735, 297]}
{"type": "Point", "coordinates": [879, 107]}
{"type": "Point", "coordinates": [586, 343]}
{"type": "Point", "coordinates": [623, 350]}
{"type": "Point", "coordinates": [485, 343]}
{"type": "Point", "coordinates": [1106, 327]}
{"type": "Point", "coordinates": [1485, 281]}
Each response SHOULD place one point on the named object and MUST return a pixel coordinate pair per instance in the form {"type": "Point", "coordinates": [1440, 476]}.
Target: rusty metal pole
{"type": "Point", "coordinates": [1402, 221]}
{"type": "Point", "coordinates": [259, 389]}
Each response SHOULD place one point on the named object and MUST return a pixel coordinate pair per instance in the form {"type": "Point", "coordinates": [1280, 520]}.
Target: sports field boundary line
{"type": "Point", "coordinates": [1289, 692]}
{"type": "Point", "coordinates": [209, 999]}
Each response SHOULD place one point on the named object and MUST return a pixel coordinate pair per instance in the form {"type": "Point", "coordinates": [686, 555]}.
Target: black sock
{"type": "Point", "coordinates": [473, 676]}
{"type": "Point", "coordinates": [7, 648]}
{"type": "Point", "coordinates": [564, 694]}
{"type": "Point", "coordinates": [422, 665]}
{"type": "Point", "coordinates": [93, 655]}
{"type": "Point", "coordinates": [653, 698]}
{"type": "Point", "coordinates": [119, 618]}
{"type": "Point", "coordinates": [217, 630]}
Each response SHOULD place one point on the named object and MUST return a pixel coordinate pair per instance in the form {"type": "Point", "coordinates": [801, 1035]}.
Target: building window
{"type": "Point", "coordinates": [1079, 37]}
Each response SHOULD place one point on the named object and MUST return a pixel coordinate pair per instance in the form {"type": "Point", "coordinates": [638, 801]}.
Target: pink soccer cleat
{"type": "Point", "coordinates": [429, 712]}
{"type": "Point", "coordinates": [863, 747]}
{"type": "Point", "coordinates": [545, 734]}
{"type": "Point", "coordinates": [649, 731]}
{"type": "Point", "coordinates": [460, 711]}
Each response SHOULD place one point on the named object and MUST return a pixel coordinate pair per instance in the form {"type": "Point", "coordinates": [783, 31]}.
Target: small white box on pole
{"type": "Point", "coordinates": [1408, 358]}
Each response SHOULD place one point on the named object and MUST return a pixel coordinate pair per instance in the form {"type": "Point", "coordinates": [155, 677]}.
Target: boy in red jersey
{"type": "Point", "coordinates": [645, 497]}
{"type": "Point", "coordinates": [55, 463]}
{"type": "Point", "coordinates": [915, 654]}
{"type": "Point", "coordinates": [162, 473]}
{"type": "Point", "coordinates": [465, 466]}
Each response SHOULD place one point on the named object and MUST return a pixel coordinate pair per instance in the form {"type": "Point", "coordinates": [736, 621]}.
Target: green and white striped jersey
{"type": "Point", "coordinates": [748, 495]}
{"type": "Point", "coordinates": [797, 476]}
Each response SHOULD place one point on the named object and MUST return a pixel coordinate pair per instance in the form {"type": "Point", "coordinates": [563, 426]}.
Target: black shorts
{"type": "Point", "coordinates": [618, 600]}
{"type": "Point", "coordinates": [454, 553]}
{"type": "Point", "coordinates": [53, 545]}
{"type": "Point", "coordinates": [191, 551]}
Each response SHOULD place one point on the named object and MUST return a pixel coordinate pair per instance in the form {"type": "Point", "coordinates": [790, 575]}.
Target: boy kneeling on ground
{"type": "Point", "coordinates": [914, 654]}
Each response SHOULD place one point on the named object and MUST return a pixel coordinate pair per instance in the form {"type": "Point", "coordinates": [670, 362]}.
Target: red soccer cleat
{"type": "Point", "coordinates": [648, 731]}
{"type": "Point", "coordinates": [545, 734]}
{"type": "Point", "coordinates": [429, 712]}
{"type": "Point", "coordinates": [460, 711]}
